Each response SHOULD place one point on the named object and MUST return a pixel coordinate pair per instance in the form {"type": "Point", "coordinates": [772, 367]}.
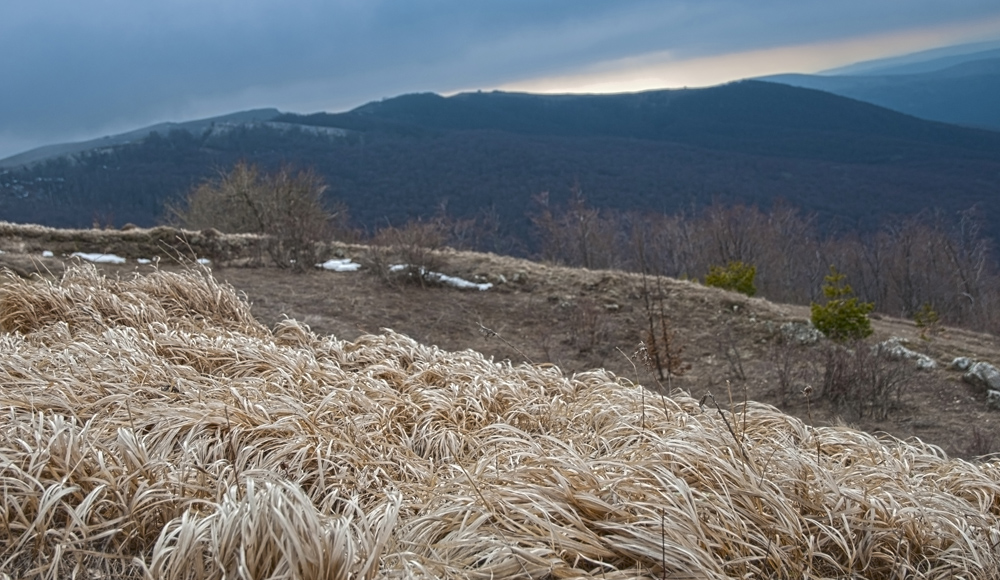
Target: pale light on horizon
{"type": "Point", "coordinates": [660, 70]}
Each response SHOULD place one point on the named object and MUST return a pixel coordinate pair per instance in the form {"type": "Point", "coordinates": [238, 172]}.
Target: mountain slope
{"type": "Point", "coordinates": [922, 61]}
{"type": "Point", "coordinates": [954, 89]}
{"type": "Point", "coordinates": [748, 116]}
{"type": "Point", "coordinates": [964, 94]}
{"type": "Point", "coordinates": [65, 149]}
{"type": "Point", "coordinates": [577, 319]}
{"type": "Point", "coordinates": [750, 142]}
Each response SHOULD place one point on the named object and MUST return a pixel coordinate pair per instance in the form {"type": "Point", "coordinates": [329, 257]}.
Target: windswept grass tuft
{"type": "Point", "coordinates": [152, 429]}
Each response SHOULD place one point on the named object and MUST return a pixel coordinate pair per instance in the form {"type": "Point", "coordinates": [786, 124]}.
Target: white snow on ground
{"type": "Point", "coordinates": [204, 261]}
{"type": "Point", "coordinates": [47, 254]}
{"type": "Point", "coordinates": [99, 258]}
{"type": "Point", "coordinates": [144, 261]}
{"type": "Point", "coordinates": [458, 282]}
{"type": "Point", "coordinates": [444, 279]}
{"type": "Point", "coordinates": [339, 265]}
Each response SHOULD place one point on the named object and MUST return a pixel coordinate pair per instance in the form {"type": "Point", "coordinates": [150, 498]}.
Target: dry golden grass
{"type": "Point", "coordinates": [162, 241]}
{"type": "Point", "coordinates": [153, 429]}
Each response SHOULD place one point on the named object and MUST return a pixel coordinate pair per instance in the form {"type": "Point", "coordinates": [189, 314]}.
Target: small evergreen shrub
{"type": "Point", "coordinates": [843, 317]}
{"type": "Point", "coordinates": [736, 276]}
{"type": "Point", "coordinates": [927, 320]}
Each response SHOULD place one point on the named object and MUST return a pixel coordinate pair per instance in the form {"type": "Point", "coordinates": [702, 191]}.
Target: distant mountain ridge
{"type": "Point", "coordinates": [919, 62]}
{"type": "Point", "coordinates": [748, 142]}
{"type": "Point", "coordinates": [960, 89]}
{"type": "Point", "coordinates": [63, 149]}
{"type": "Point", "coordinates": [726, 116]}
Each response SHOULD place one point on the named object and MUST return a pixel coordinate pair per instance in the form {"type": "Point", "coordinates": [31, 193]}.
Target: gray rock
{"type": "Point", "coordinates": [894, 349]}
{"type": "Point", "coordinates": [983, 375]}
{"type": "Point", "coordinates": [961, 363]}
{"type": "Point", "coordinates": [800, 332]}
{"type": "Point", "coordinates": [993, 400]}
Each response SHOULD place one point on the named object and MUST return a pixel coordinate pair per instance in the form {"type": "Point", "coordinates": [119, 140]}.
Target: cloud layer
{"type": "Point", "coordinates": [74, 69]}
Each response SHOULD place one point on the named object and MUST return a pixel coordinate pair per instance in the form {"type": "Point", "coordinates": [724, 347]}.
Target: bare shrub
{"type": "Point", "coordinates": [407, 253]}
{"type": "Point", "coordinates": [590, 326]}
{"type": "Point", "coordinates": [577, 235]}
{"type": "Point", "coordinates": [288, 207]}
{"type": "Point", "coordinates": [660, 244]}
{"type": "Point", "coordinates": [660, 350]}
{"type": "Point", "coordinates": [792, 368]}
{"type": "Point", "coordinates": [980, 443]}
{"type": "Point", "coordinates": [863, 379]}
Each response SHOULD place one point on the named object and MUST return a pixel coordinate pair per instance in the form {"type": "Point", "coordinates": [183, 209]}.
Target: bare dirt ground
{"type": "Point", "coordinates": [581, 319]}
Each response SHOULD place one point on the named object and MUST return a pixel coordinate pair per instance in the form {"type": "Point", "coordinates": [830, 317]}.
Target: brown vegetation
{"type": "Point", "coordinates": [286, 209]}
{"type": "Point", "coordinates": [930, 258]}
{"type": "Point", "coordinates": [162, 242]}
{"type": "Point", "coordinates": [155, 429]}
{"type": "Point", "coordinates": [582, 319]}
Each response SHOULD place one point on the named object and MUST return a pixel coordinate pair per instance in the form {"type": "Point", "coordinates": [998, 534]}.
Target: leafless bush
{"type": "Point", "coordinates": [407, 253]}
{"type": "Point", "coordinates": [930, 257]}
{"type": "Point", "coordinates": [287, 207]}
{"type": "Point", "coordinates": [660, 350]}
{"type": "Point", "coordinates": [577, 235]}
{"type": "Point", "coordinates": [980, 443]}
{"type": "Point", "coordinates": [861, 378]}
{"type": "Point", "coordinates": [728, 345]}
{"type": "Point", "coordinates": [590, 325]}
{"type": "Point", "coordinates": [792, 367]}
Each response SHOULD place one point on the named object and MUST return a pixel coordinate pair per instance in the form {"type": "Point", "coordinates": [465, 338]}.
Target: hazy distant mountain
{"type": "Point", "coordinates": [64, 149]}
{"type": "Point", "coordinates": [748, 116]}
{"type": "Point", "coordinates": [751, 142]}
{"type": "Point", "coordinates": [963, 88]}
{"type": "Point", "coordinates": [920, 62]}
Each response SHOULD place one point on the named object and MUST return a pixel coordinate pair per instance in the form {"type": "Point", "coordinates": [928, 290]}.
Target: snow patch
{"type": "Point", "coordinates": [339, 265]}
{"type": "Point", "coordinates": [99, 258]}
{"type": "Point", "coordinates": [440, 278]}
{"type": "Point", "coordinates": [204, 261]}
{"type": "Point", "coordinates": [47, 254]}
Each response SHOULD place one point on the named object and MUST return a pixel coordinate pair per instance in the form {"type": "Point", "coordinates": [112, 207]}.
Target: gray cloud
{"type": "Point", "coordinates": [73, 68]}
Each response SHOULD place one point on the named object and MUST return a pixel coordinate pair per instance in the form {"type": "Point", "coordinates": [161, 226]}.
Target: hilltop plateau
{"type": "Point", "coordinates": [576, 319]}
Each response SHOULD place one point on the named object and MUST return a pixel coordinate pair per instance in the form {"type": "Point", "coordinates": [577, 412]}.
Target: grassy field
{"type": "Point", "coordinates": [155, 429]}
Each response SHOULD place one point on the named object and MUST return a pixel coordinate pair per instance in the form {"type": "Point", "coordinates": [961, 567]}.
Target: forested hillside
{"type": "Point", "coordinates": [749, 142]}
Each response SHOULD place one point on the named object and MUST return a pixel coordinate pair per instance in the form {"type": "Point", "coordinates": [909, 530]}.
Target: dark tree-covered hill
{"type": "Point", "coordinates": [750, 142]}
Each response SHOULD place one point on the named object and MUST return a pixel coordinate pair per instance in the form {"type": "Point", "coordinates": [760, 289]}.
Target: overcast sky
{"type": "Point", "coordinates": [77, 69]}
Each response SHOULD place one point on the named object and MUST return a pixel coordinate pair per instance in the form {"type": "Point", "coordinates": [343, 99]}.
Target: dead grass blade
{"type": "Point", "coordinates": [152, 429]}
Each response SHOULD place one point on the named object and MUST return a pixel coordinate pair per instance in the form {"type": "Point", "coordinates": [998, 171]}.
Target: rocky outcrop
{"type": "Point", "coordinates": [983, 375]}
{"type": "Point", "coordinates": [894, 349]}
{"type": "Point", "coordinates": [800, 332]}
{"type": "Point", "coordinates": [961, 363]}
